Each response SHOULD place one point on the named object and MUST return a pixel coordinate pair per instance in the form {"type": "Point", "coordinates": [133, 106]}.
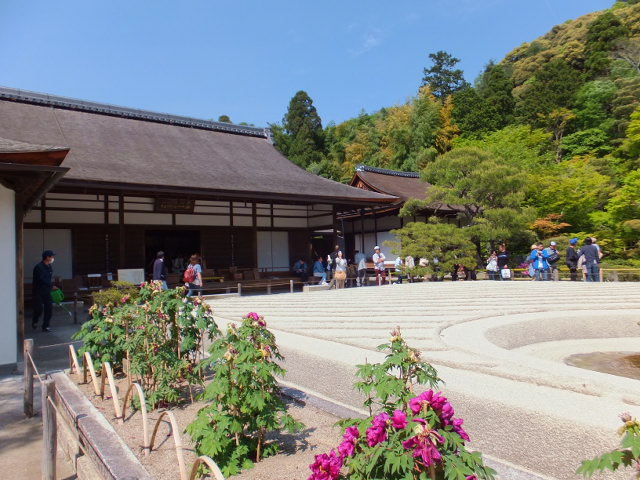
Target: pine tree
{"type": "Point", "coordinates": [301, 137]}
{"type": "Point", "coordinates": [442, 77]}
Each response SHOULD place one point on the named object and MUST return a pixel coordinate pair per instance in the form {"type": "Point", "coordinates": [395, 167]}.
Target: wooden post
{"type": "Point", "coordinates": [28, 377]}
{"type": "Point", "coordinates": [239, 289]}
{"type": "Point", "coordinates": [268, 287]}
{"type": "Point", "coordinates": [49, 431]}
{"type": "Point", "coordinates": [291, 286]}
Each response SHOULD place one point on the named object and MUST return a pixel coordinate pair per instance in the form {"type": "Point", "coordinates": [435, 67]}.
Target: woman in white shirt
{"type": "Point", "coordinates": [341, 270]}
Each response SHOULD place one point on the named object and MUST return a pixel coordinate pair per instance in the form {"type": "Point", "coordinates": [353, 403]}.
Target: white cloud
{"type": "Point", "coordinates": [368, 41]}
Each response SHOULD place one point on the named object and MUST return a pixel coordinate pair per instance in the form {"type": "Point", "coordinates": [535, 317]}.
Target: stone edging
{"type": "Point", "coordinates": [110, 457]}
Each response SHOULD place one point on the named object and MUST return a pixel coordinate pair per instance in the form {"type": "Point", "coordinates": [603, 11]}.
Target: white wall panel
{"type": "Point", "coordinates": [273, 251]}
{"type": "Point", "coordinates": [242, 221]}
{"type": "Point", "coordinates": [321, 221]}
{"type": "Point", "coordinates": [36, 240]}
{"type": "Point", "coordinates": [32, 217]}
{"type": "Point", "coordinates": [211, 209]}
{"type": "Point", "coordinates": [8, 319]}
{"type": "Point", "coordinates": [114, 217]}
{"type": "Point", "coordinates": [209, 220]}
{"type": "Point", "coordinates": [61, 216]}
{"type": "Point", "coordinates": [290, 222]}
{"type": "Point", "coordinates": [263, 221]}
{"type": "Point", "coordinates": [147, 218]}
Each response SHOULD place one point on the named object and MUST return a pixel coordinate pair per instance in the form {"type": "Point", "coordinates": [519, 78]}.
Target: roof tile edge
{"type": "Point", "coordinates": [385, 171]}
{"type": "Point", "coordinates": [68, 103]}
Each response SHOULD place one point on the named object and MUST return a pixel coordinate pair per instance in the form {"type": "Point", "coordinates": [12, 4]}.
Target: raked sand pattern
{"type": "Point", "coordinates": [499, 346]}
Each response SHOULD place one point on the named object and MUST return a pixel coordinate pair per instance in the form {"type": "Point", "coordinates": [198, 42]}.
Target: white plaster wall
{"type": "Point", "coordinates": [8, 293]}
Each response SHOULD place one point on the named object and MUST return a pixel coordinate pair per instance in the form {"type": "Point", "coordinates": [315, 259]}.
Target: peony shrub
{"type": "Point", "coordinates": [412, 436]}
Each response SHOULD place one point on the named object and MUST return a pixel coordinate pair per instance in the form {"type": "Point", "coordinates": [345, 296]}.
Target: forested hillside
{"type": "Point", "coordinates": [545, 143]}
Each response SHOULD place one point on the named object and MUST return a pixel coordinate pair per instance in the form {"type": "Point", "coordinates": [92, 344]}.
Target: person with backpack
{"type": "Point", "coordinates": [193, 276]}
{"type": "Point", "coordinates": [553, 259]}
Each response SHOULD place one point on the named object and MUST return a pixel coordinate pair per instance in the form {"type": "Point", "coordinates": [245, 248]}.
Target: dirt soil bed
{"type": "Point", "coordinates": [292, 463]}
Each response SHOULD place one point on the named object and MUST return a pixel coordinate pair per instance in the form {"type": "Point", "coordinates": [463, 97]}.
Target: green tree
{"type": "Point", "coordinates": [553, 87]}
{"type": "Point", "coordinates": [602, 35]}
{"type": "Point", "coordinates": [495, 86]}
{"type": "Point", "coordinates": [593, 105]}
{"type": "Point", "coordinates": [443, 78]}
{"type": "Point", "coordinates": [488, 190]}
{"type": "Point", "coordinates": [224, 119]}
{"type": "Point", "coordinates": [301, 137]}
{"type": "Point", "coordinates": [447, 243]}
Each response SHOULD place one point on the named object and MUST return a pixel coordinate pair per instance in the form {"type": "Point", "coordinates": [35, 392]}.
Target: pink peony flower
{"type": "Point", "coordinates": [377, 433]}
{"type": "Point", "coordinates": [399, 420]}
{"type": "Point", "coordinates": [425, 444]}
{"type": "Point", "coordinates": [253, 316]}
{"type": "Point", "coordinates": [348, 445]}
{"type": "Point", "coordinates": [457, 427]}
{"type": "Point", "coordinates": [326, 467]}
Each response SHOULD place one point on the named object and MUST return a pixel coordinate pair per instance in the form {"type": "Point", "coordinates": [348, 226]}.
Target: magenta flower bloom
{"type": "Point", "coordinates": [348, 445]}
{"type": "Point", "coordinates": [326, 467]}
{"type": "Point", "coordinates": [377, 433]}
{"type": "Point", "coordinates": [399, 420]}
{"type": "Point", "coordinates": [425, 444]}
{"type": "Point", "coordinates": [253, 316]}
{"type": "Point", "coordinates": [457, 427]}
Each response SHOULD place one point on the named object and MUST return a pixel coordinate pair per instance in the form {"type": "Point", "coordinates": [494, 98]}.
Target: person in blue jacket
{"type": "Point", "coordinates": [539, 262]}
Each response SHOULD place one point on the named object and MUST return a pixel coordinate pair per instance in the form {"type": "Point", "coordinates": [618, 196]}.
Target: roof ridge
{"type": "Point", "coordinates": [386, 171]}
{"type": "Point", "coordinates": [26, 96]}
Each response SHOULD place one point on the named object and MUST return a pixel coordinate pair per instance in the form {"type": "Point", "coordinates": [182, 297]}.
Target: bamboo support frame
{"type": "Point", "coordinates": [203, 459]}
{"type": "Point", "coordinates": [176, 438]}
{"type": "Point", "coordinates": [107, 375]}
{"type": "Point", "coordinates": [143, 410]}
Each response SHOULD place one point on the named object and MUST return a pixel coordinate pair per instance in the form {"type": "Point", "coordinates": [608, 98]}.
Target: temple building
{"type": "Point", "coordinates": [106, 187]}
{"type": "Point", "coordinates": [369, 226]}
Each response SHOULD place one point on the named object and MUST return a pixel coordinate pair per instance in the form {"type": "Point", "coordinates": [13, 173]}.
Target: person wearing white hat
{"type": "Point", "coordinates": [378, 264]}
{"type": "Point", "coordinates": [553, 259]}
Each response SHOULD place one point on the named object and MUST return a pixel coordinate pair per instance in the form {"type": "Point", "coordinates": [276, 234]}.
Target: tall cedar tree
{"type": "Point", "coordinates": [301, 137]}
{"type": "Point", "coordinates": [443, 78]}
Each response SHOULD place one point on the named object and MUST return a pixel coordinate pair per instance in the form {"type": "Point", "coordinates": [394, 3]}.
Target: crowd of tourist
{"type": "Point", "coordinates": [543, 264]}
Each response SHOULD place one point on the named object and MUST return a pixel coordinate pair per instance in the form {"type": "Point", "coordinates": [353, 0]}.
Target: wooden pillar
{"type": "Point", "coordinates": [362, 230]}
{"type": "Point", "coordinates": [333, 226]}
{"type": "Point", "coordinates": [19, 222]}
{"type": "Point", "coordinates": [121, 233]}
{"type": "Point", "coordinates": [375, 227]}
{"type": "Point", "coordinates": [49, 431]}
{"type": "Point", "coordinates": [27, 351]}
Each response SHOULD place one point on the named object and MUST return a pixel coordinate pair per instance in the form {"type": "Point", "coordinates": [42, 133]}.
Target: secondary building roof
{"type": "Point", "coordinates": [403, 185]}
{"type": "Point", "coordinates": [136, 150]}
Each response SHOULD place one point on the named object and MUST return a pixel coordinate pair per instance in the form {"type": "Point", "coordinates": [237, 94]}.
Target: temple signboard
{"type": "Point", "coordinates": [174, 205]}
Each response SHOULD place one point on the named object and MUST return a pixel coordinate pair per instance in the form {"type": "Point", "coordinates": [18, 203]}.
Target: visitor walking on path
{"type": "Point", "coordinates": [409, 265]}
{"type": "Point", "coordinates": [193, 276]}
{"type": "Point", "coordinates": [341, 270]}
{"type": "Point", "coordinates": [572, 260]}
{"type": "Point", "coordinates": [42, 286]}
{"type": "Point", "coordinates": [379, 266]}
{"type": "Point", "coordinates": [160, 270]}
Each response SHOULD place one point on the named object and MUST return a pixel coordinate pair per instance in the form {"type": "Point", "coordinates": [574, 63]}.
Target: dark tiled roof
{"type": "Point", "coordinates": [404, 185]}
{"type": "Point", "coordinates": [121, 147]}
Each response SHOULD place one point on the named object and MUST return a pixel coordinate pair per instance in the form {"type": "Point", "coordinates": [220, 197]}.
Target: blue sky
{"type": "Point", "coordinates": [247, 59]}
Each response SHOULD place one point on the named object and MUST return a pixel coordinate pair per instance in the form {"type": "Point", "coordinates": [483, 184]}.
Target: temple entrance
{"type": "Point", "coordinates": [175, 244]}
{"type": "Point", "coordinates": [322, 245]}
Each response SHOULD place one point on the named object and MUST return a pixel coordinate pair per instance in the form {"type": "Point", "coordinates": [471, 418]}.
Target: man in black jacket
{"type": "Point", "coordinates": [572, 259]}
{"type": "Point", "coordinates": [42, 286]}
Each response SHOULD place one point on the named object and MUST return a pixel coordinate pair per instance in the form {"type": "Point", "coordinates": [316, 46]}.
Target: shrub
{"type": "Point", "coordinates": [413, 437]}
{"type": "Point", "coordinates": [246, 403]}
{"type": "Point", "coordinates": [628, 455]}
